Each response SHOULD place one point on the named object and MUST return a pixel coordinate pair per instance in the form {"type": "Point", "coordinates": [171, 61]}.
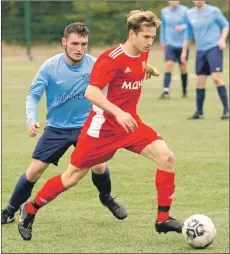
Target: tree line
{"type": "Point", "coordinates": [105, 20]}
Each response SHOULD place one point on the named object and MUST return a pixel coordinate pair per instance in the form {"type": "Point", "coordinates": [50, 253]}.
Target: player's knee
{"type": "Point", "coordinates": [169, 66]}
{"type": "Point", "coordinates": [73, 180]}
{"type": "Point", "coordinates": [167, 161]}
{"type": "Point", "coordinates": [200, 84]}
{"type": "Point", "coordinates": [70, 180]}
{"type": "Point", "coordinates": [217, 79]}
{"type": "Point", "coordinates": [35, 170]}
{"type": "Point", "coordinates": [99, 169]}
{"type": "Point", "coordinates": [71, 177]}
{"type": "Point", "coordinates": [33, 174]}
{"type": "Point", "coordinates": [33, 177]}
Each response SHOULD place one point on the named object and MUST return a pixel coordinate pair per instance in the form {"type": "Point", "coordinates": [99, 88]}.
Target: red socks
{"type": "Point", "coordinates": [164, 184]}
{"type": "Point", "coordinates": [52, 188]}
{"type": "Point", "coordinates": [165, 190]}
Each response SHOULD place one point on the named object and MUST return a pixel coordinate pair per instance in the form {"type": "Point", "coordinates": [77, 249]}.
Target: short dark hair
{"type": "Point", "coordinates": [76, 28]}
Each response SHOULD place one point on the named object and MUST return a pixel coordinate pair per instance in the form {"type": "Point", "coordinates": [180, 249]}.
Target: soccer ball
{"type": "Point", "coordinates": [199, 231]}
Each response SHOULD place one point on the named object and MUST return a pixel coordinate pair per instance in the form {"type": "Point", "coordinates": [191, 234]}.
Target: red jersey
{"type": "Point", "coordinates": [120, 77]}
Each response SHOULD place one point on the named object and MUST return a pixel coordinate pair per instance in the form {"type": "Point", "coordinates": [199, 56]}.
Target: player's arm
{"type": "Point", "coordinates": [162, 32]}
{"type": "Point", "coordinates": [95, 95]}
{"type": "Point", "coordinates": [151, 71]}
{"type": "Point", "coordinates": [222, 43]}
{"type": "Point", "coordinates": [184, 51]}
{"type": "Point", "coordinates": [182, 27]}
{"type": "Point", "coordinates": [224, 25]}
{"type": "Point", "coordinates": [35, 93]}
{"type": "Point", "coordinates": [188, 38]}
{"type": "Point", "coordinates": [104, 71]}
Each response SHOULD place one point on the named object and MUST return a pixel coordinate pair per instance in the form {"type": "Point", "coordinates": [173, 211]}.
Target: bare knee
{"type": "Point", "coordinates": [99, 169]}
{"type": "Point", "coordinates": [169, 66]}
{"type": "Point", "coordinates": [200, 81]}
{"type": "Point", "coordinates": [73, 175]}
{"type": "Point", "coordinates": [70, 179]}
{"type": "Point", "coordinates": [35, 170]}
{"type": "Point", "coordinates": [166, 161]}
{"type": "Point", "coordinates": [159, 152]}
{"type": "Point", "coordinates": [218, 78]}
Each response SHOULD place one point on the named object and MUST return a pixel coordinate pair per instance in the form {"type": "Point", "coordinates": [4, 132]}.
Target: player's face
{"type": "Point", "coordinates": [75, 46]}
{"type": "Point", "coordinates": [143, 40]}
{"type": "Point", "coordinates": [174, 4]}
{"type": "Point", "coordinates": [199, 4]}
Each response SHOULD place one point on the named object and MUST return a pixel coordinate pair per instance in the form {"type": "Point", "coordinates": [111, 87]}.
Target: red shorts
{"type": "Point", "coordinates": [91, 151]}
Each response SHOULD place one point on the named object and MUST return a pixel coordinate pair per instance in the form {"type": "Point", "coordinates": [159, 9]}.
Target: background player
{"type": "Point", "coordinates": [113, 123]}
{"type": "Point", "coordinates": [65, 78]}
{"type": "Point", "coordinates": [211, 29]}
{"type": "Point", "coordinates": [172, 35]}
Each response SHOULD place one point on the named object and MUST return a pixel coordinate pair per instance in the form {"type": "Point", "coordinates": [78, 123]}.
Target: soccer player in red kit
{"type": "Point", "coordinates": [115, 87]}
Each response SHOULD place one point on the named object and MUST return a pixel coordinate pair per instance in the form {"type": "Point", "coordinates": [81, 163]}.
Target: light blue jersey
{"type": "Point", "coordinates": [206, 25]}
{"type": "Point", "coordinates": [65, 86]}
{"type": "Point", "coordinates": [172, 17]}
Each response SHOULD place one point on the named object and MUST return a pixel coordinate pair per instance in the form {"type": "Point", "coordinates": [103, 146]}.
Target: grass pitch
{"type": "Point", "coordinates": [76, 221]}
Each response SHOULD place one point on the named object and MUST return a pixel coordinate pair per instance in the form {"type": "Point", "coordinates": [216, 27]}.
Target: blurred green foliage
{"type": "Point", "coordinates": [106, 20]}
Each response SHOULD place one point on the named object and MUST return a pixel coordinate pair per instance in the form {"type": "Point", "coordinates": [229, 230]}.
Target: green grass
{"type": "Point", "coordinates": [76, 221]}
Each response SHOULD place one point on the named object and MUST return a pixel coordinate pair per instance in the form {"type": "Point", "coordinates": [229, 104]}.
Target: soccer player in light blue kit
{"type": "Point", "coordinates": [64, 78]}
{"type": "Point", "coordinates": [210, 29]}
{"type": "Point", "coordinates": [172, 35]}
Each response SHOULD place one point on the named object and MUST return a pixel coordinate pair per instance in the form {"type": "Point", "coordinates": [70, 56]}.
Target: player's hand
{"type": "Point", "coordinates": [222, 44]}
{"type": "Point", "coordinates": [33, 129]}
{"type": "Point", "coordinates": [183, 58]}
{"type": "Point", "coordinates": [179, 28]}
{"type": "Point", "coordinates": [163, 47]}
{"type": "Point", "coordinates": [151, 71]}
{"type": "Point", "coordinates": [127, 122]}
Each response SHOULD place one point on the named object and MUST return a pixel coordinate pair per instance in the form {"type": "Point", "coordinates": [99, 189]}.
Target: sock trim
{"type": "Point", "coordinates": [163, 209]}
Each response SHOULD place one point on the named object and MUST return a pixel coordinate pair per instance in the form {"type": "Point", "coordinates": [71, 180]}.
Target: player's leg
{"type": "Point", "coordinates": [88, 152]}
{"type": "Point", "coordinates": [64, 138]}
{"type": "Point", "coordinates": [200, 96]}
{"type": "Point", "coordinates": [56, 185]}
{"type": "Point", "coordinates": [49, 149]}
{"type": "Point", "coordinates": [183, 71]}
{"type": "Point", "coordinates": [159, 152]}
{"type": "Point", "coordinates": [222, 91]}
{"type": "Point", "coordinates": [184, 79]}
{"type": "Point", "coordinates": [51, 189]}
{"type": "Point", "coordinates": [101, 179]}
{"type": "Point", "coordinates": [22, 190]}
{"type": "Point", "coordinates": [215, 59]}
{"type": "Point", "coordinates": [169, 64]}
{"type": "Point", "coordinates": [147, 142]}
{"type": "Point", "coordinates": [202, 71]}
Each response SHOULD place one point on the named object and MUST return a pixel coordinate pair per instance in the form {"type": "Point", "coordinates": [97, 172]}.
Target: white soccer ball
{"type": "Point", "coordinates": [199, 231]}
